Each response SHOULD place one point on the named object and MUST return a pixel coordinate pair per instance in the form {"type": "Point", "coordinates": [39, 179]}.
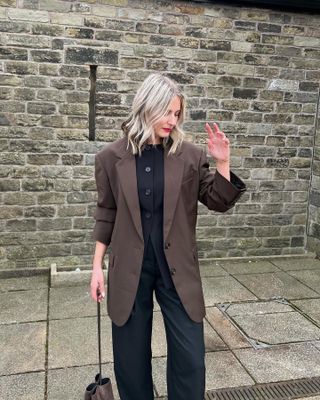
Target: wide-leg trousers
{"type": "Point", "coordinates": [132, 342]}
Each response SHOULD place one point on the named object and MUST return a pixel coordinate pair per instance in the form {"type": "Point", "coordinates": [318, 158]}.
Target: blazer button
{"type": "Point", "coordinates": [167, 245]}
{"type": "Point", "coordinates": [147, 192]}
{"type": "Point", "coordinates": [173, 271]}
{"type": "Point", "coordinates": [148, 215]}
{"type": "Point", "coordinates": [147, 169]}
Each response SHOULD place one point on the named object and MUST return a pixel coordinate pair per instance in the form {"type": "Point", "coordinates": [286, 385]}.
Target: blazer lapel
{"type": "Point", "coordinates": [127, 175]}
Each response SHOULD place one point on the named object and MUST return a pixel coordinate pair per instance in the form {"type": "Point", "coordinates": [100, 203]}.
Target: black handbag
{"type": "Point", "coordinates": [101, 388]}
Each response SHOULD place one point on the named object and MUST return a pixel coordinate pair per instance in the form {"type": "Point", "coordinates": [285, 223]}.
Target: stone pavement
{"type": "Point", "coordinates": [262, 325]}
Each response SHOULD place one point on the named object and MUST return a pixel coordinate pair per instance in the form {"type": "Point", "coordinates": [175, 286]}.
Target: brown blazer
{"type": "Point", "coordinates": [187, 179]}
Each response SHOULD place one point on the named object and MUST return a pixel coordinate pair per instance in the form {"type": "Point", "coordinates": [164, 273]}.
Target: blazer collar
{"type": "Point", "coordinates": [126, 173]}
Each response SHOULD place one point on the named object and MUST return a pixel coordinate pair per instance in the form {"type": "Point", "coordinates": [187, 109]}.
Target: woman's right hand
{"type": "Point", "coordinates": [97, 281]}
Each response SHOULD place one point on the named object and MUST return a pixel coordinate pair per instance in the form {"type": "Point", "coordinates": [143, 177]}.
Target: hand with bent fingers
{"type": "Point", "coordinates": [218, 144]}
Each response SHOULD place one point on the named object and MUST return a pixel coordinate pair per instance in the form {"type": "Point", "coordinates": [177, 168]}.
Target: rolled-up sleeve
{"type": "Point", "coordinates": [215, 191]}
{"type": "Point", "coordinates": [105, 212]}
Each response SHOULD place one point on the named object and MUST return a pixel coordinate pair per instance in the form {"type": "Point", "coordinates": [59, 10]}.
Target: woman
{"type": "Point", "coordinates": [149, 183]}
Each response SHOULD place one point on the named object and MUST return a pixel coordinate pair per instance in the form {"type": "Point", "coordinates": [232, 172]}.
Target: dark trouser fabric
{"type": "Point", "coordinates": [132, 342]}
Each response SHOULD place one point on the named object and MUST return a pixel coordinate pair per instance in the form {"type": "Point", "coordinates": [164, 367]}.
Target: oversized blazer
{"type": "Point", "coordinates": [187, 180]}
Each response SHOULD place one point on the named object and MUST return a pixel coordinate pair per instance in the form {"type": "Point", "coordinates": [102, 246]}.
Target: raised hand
{"type": "Point", "coordinates": [218, 143]}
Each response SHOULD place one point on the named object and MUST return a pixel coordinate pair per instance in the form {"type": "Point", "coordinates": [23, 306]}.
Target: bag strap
{"type": "Point", "coordinates": [99, 335]}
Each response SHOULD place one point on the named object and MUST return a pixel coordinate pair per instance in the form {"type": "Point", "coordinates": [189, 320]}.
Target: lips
{"type": "Point", "coordinates": [167, 129]}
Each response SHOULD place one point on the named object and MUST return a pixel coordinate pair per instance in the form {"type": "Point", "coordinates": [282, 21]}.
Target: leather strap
{"type": "Point", "coordinates": [99, 335]}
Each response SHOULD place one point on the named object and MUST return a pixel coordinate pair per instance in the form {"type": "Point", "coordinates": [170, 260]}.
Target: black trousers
{"type": "Point", "coordinates": [132, 342]}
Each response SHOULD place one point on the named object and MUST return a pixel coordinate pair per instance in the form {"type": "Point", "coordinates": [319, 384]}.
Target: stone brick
{"type": "Point", "coordinates": [81, 8]}
{"type": "Point", "coordinates": [62, 83]}
{"type": "Point", "coordinates": [54, 224]}
{"type": "Point", "coordinates": [107, 98]}
{"type": "Point", "coordinates": [12, 106]}
{"type": "Point", "coordinates": [66, 19]}
{"type": "Point", "coordinates": [77, 97]}
{"type": "Point", "coordinates": [131, 62]}
{"type": "Point", "coordinates": [80, 33]}
{"type": "Point", "coordinates": [28, 15]}
{"type": "Point", "coordinates": [11, 53]}
{"type": "Point", "coordinates": [10, 26]}
{"type": "Point", "coordinates": [94, 22]}
{"type": "Point", "coordinates": [74, 109]}
{"type": "Point", "coordinates": [39, 212]}
{"type": "Point", "coordinates": [15, 225]}
{"type": "Point", "coordinates": [10, 212]}
{"type": "Point", "coordinates": [46, 56]}
{"type": "Point", "coordinates": [48, 30]}
{"type": "Point", "coordinates": [56, 121]}
{"type": "Point", "coordinates": [21, 68]}
{"type": "Point", "coordinates": [72, 210]}
{"type": "Point", "coordinates": [36, 81]}
{"type": "Point", "coordinates": [42, 159]}
{"type": "Point", "coordinates": [108, 35]}
{"type": "Point", "coordinates": [9, 185]}
{"type": "Point", "coordinates": [157, 65]}
{"type": "Point", "coordinates": [24, 94]}
{"type": "Point", "coordinates": [59, 6]}
{"type": "Point", "coordinates": [72, 159]}
{"type": "Point", "coordinates": [49, 95]}
{"type": "Point", "coordinates": [72, 134]}
{"type": "Point", "coordinates": [29, 41]}
{"type": "Point", "coordinates": [51, 198]}
{"type": "Point", "coordinates": [41, 108]}
{"type": "Point", "coordinates": [161, 40]}
{"type": "Point", "coordinates": [101, 10]}
{"type": "Point", "coordinates": [91, 56]}
{"type": "Point", "coordinates": [48, 69]}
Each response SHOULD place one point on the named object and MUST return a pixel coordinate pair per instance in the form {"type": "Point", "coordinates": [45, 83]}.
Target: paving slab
{"type": "Point", "coordinates": [23, 306]}
{"type": "Point", "coordinates": [283, 362]}
{"type": "Point", "coordinates": [212, 270]}
{"type": "Point", "coordinates": [259, 307]}
{"type": "Point", "coordinates": [73, 302]}
{"type": "Point", "coordinates": [275, 284]}
{"type": "Point", "coordinates": [296, 263]}
{"type": "Point", "coordinates": [248, 267]}
{"type": "Point", "coordinates": [74, 342]}
{"type": "Point", "coordinates": [70, 383]}
{"type": "Point", "coordinates": [309, 277]}
{"type": "Point", "coordinates": [24, 283]}
{"type": "Point", "coordinates": [22, 347]}
{"type": "Point", "coordinates": [29, 386]}
{"type": "Point", "coordinates": [225, 329]}
{"type": "Point", "coordinates": [310, 307]}
{"type": "Point", "coordinates": [278, 327]}
{"type": "Point", "coordinates": [224, 370]}
{"type": "Point", "coordinates": [224, 289]}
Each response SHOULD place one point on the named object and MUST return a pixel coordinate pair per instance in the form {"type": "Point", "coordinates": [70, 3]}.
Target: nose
{"type": "Point", "coordinates": [173, 120]}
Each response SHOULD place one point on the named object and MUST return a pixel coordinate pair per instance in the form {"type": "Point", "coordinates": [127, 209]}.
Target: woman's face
{"type": "Point", "coordinates": [165, 125]}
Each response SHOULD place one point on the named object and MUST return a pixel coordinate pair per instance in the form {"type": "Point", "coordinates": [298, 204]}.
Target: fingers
{"type": "Point", "coordinates": [97, 294]}
{"type": "Point", "coordinates": [216, 132]}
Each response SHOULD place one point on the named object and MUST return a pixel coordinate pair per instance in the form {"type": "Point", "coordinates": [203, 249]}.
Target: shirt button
{"type": "Point", "coordinates": [166, 245]}
{"type": "Point", "coordinates": [173, 271]}
{"type": "Point", "coordinates": [147, 192]}
{"type": "Point", "coordinates": [147, 169]}
{"type": "Point", "coordinates": [148, 214]}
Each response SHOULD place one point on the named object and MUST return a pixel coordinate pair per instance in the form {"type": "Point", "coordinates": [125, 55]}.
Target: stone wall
{"type": "Point", "coordinates": [255, 71]}
{"type": "Point", "coordinates": [313, 225]}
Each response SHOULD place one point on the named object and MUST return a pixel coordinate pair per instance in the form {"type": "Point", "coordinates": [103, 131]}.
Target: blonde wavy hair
{"type": "Point", "coordinates": [148, 107]}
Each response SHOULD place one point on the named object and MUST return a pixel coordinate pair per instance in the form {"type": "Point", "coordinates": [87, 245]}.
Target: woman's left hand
{"type": "Point", "coordinates": [218, 144]}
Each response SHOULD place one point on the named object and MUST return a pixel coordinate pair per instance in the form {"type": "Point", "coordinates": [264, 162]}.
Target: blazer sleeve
{"type": "Point", "coordinates": [105, 212]}
{"type": "Point", "coordinates": [215, 191]}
